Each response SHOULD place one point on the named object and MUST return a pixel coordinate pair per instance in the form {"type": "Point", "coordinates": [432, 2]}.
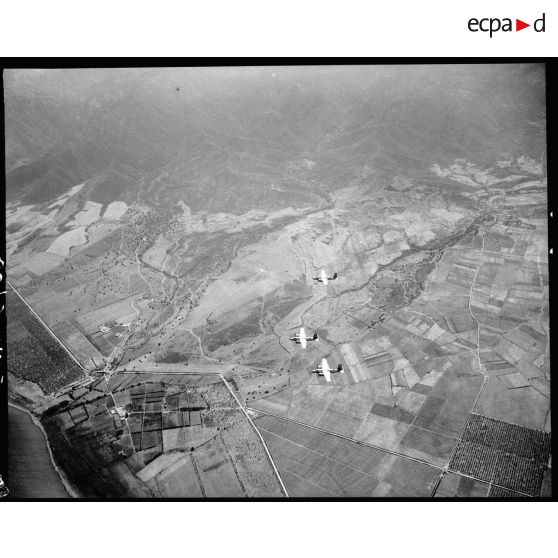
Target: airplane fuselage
{"type": "Point", "coordinates": [323, 278]}
{"type": "Point", "coordinates": [323, 369]}
{"type": "Point", "coordinates": [302, 338]}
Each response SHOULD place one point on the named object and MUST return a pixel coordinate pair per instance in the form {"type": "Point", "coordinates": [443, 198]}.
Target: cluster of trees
{"type": "Point", "coordinates": [38, 357]}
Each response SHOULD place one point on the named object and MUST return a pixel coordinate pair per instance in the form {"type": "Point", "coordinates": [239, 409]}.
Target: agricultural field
{"type": "Point", "coordinates": [429, 338]}
{"type": "Point", "coordinates": [474, 341]}
{"type": "Point", "coordinates": [82, 349]}
{"type": "Point", "coordinates": [32, 353]}
{"type": "Point", "coordinates": [457, 486]}
{"type": "Point", "coordinates": [87, 216]}
{"type": "Point", "coordinates": [509, 456]}
{"type": "Point", "coordinates": [158, 436]}
{"type": "Point", "coordinates": [114, 211]}
{"type": "Point", "coordinates": [316, 463]}
{"type": "Point", "coordinates": [156, 255]}
{"type": "Point", "coordinates": [176, 256]}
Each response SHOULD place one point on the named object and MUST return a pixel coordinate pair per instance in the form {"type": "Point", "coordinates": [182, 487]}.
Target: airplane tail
{"type": "Point", "coordinates": [340, 368]}
{"type": "Point", "coordinates": [315, 337]}
{"type": "Point", "coordinates": [334, 275]}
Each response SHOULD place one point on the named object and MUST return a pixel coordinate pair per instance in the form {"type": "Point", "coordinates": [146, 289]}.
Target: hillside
{"type": "Point", "coordinates": [170, 226]}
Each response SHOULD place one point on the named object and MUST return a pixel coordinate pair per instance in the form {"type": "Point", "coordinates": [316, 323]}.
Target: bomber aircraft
{"type": "Point", "coordinates": [301, 338]}
{"type": "Point", "coordinates": [323, 278]}
{"type": "Point", "coordinates": [324, 370]}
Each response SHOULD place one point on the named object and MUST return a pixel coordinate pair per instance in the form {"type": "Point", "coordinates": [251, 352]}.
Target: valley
{"type": "Point", "coordinates": [165, 290]}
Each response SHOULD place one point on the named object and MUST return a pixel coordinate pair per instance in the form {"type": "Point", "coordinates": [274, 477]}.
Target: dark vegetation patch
{"type": "Point", "coordinates": [507, 437]}
{"type": "Point", "coordinates": [514, 457]}
{"type": "Point", "coordinates": [30, 238]}
{"type": "Point", "coordinates": [13, 227]}
{"type": "Point", "coordinates": [112, 185]}
{"type": "Point", "coordinates": [37, 357]}
{"type": "Point", "coordinates": [394, 413]}
{"type": "Point", "coordinates": [284, 300]}
{"type": "Point", "coordinates": [206, 254]}
{"type": "Point", "coordinates": [499, 492]}
{"type": "Point", "coordinates": [400, 282]}
{"type": "Point", "coordinates": [172, 356]}
{"type": "Point", "coordinates": [248, 327]}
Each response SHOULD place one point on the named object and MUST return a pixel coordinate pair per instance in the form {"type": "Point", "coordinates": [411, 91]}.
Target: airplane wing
{"type": "Point", "coordinates": [324, 277]}
{"type": "Point", "coordinates": [302, 332]}
{"type": "Point", "coordinates": [327, 375]}
{"type": "Point", "coordinates": [303, 342]}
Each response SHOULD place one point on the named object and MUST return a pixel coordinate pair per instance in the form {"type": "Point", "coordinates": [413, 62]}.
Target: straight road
{"type": "Point", "coordinates": [259, 434]}
{"type": "Point", "coordinates": [47, 328]}
{"type": "Point", "coordinates": [443, 470]}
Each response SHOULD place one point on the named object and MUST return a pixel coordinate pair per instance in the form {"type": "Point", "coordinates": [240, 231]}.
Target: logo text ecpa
{"type": "Point", "coordinates": [493, 25]}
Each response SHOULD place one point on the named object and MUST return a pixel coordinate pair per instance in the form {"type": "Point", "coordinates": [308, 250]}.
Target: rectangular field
{"type": "Point", "coordinates": [457, 486]}
{"type": "Point", "coordinates": [41, 262]}
{"type": "Point", "coordinates": [448, 405]}
{"type": "Point", "coordinates": [78, 344]}
{"type": "Point", "coordinates": [314, 463]}
{"type": "Point", "coordinates": [120, 311]}
{"type": "Point", "coordinates": [33, 353]}
{"type": "Point", "coordinates": [216, 472]}
{"type": "Point", "coordinates": [179, 480]}
{"type": "Point", "coordinates": [511, 456]}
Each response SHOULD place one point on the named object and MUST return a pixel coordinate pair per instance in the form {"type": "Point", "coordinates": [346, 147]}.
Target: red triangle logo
{"type": "Point", "coordinates": [519, 25]}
